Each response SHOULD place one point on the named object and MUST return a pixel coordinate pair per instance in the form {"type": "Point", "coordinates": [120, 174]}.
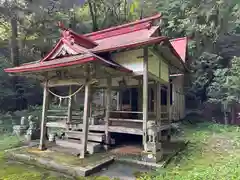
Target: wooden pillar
{"type": "Point", "coordinates": [168, 109]}
{"type": "Point", "coordinates": [130, 97]}
{"type": "Point", "coordinates": [107, 114]}
{"type": "Point", "coordinates": [45, 105]}
{"type": "Point", "coordinates": [178, 102]}
{"type": "Point", "coordinates": [102, 98]}
{"type": "Point", "coordinates": [159, 112]}
{"type": "Point", "coordinates": [86, 117]}
{"type": "Point", "coordinates": [140, 98]}
{"type": "Point", "coordinates": [155, 109]}
{"type": "Point", "coordinates": [158, 103]}
{"type": "Point", "coordinates": [118, 101]}
{"type": "Point", "coordinates": [145, 97]}
{"type": "Point", "coordinates": [69, 118]}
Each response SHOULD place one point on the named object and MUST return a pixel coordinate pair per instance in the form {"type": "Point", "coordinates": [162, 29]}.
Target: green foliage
{"type": "Point", "coordinates": [205, 24]}
{"type": "Point", "coordinates": [204, 69]}
{"type": "Point", "coordinates": [225, 88]}
{"type": "Point", "coordinates": [213, 153]}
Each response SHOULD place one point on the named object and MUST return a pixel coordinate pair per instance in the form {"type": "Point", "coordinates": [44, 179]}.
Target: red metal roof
{"type": "Point", "coordinates": [180, 46]}
{"type": "Point", "coordinates": [132, 39]}
{"type": "Point", "coordinates": [125, 28]}
{"type": "Point", "coordinates": [138, 33]}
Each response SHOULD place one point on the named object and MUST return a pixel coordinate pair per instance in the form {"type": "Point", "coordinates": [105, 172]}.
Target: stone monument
{"type": "Point", "coordinates": [33, 131]}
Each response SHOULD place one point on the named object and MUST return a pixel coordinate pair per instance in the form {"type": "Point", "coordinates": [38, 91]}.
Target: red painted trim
{"type": "Point", "coordinates": [151, 41]}
{"type": "Point", "coordinates": [178, 39]}
{"type": "Point", "coordinates": [24, 69]}
{"type": "Point", "coordinates": [157, 16]}
{"type": "Point", "coordinates": [121, 31]}
{"type": "Point", "coordinates": [52, 51]}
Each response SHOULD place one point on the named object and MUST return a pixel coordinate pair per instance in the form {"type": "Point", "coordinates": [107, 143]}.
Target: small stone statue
{"type": "Point", "coordinates": [152, 131]}
{"type": "Point", "coordinates": [52, 137]}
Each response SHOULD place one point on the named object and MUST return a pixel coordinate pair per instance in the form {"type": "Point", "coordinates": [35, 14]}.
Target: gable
{"type": "Point", "coordinates": [63, 51]}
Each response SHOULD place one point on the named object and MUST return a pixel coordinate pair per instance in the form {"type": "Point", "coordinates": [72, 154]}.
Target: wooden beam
{"type": "Point", "coordinates": [145, 96]}
{"type": "Point", "coordinates": [42, 145]}
{"type": "Point", "coordinates": [107, 114]}
{"type": "Point", "coordinates": [86, 116]}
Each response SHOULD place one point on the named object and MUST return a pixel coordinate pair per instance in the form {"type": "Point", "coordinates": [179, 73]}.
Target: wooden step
{"type": "Point", "coordinates": [97, 137]}
{"type": "Point", "coordinates": [64, 111]}
{"type": "Point", "coordinates": [75, 144]}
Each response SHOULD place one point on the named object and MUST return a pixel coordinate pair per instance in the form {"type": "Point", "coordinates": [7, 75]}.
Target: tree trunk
{"type": "Point", "coordinates": [93, 12]}
{"type": "Point", "coordinates": [14, 41]}
{"type": "Point", "coordinates": [225, 118]}
{"type": "Point", "coordinates": [15, 57]}
{"type": "Point", "coordinates": [233, 116]}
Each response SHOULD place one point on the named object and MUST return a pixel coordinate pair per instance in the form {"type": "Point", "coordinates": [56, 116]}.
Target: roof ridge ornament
{"type": "Point", "coordinates": [61, 26]}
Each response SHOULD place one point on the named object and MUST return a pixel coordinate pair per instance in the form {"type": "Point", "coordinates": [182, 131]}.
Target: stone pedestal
{"type": "Point", "coordinates": [154, 152]}
{"type": "Point", "coordinates": [152, 157]}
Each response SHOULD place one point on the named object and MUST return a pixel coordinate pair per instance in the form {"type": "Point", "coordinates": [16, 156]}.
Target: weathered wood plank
{"type": "Point", "coordinates": [63, 117]}
{"type": "Point", "coordinates": [101, 128]}
{"type": "Point", "coordinates": [126, 120]}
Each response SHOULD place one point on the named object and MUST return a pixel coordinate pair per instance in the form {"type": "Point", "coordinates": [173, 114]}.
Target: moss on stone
{"type": "Point", "coordinates": [64, 158]}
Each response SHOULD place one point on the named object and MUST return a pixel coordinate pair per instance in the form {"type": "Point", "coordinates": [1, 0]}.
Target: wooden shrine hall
{"type": "Point", "coordinates": [133, 64]}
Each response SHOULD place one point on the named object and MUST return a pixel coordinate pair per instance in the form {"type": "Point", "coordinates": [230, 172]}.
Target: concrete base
{"type": "Point", "coordinates": [69, 169]}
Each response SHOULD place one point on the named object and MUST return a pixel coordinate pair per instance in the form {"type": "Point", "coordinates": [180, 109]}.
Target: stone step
{"type": "Point", "coordinates": [70, 151]}
{"type": "Point", "coordinates": [97, 137]}
{"type": "Point", "coordinates": [75, 144]}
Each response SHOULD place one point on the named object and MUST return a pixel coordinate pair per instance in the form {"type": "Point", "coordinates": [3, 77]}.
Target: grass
{"type": "Point", "coordinates": [212, 154]}
{"type": "Point", "coordinates": [11, 170]}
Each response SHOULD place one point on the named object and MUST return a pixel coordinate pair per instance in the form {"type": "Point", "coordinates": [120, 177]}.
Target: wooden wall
{"type": "Point", "coordinates": [178, 98]}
